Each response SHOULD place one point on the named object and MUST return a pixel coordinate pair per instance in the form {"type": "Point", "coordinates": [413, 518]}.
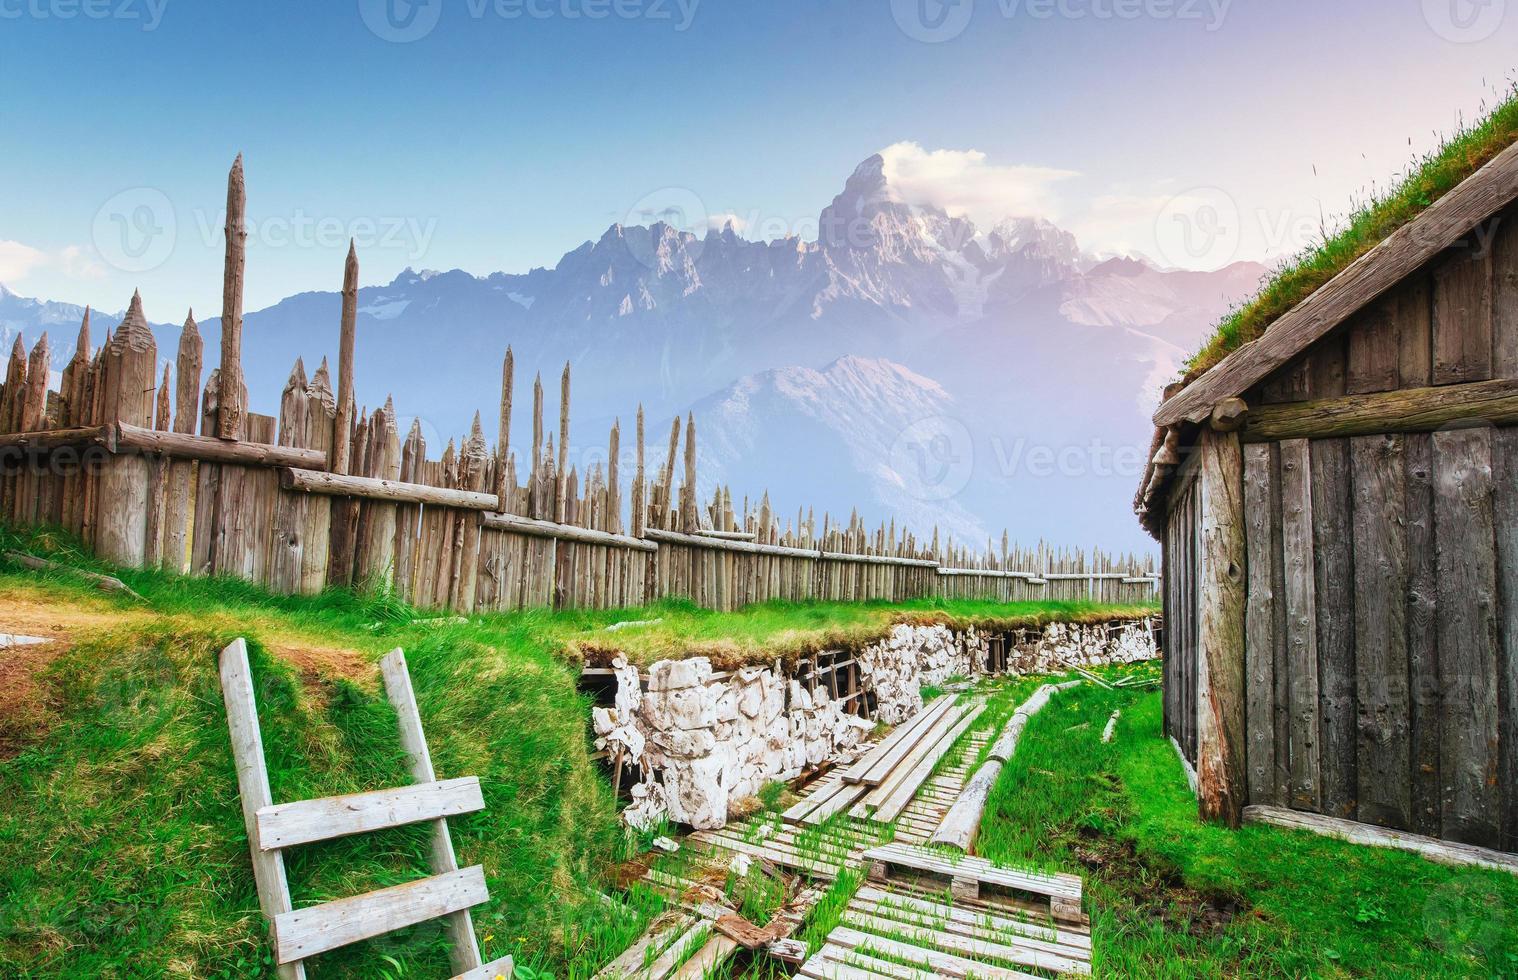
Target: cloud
{"type": "Point", "coordinates": [17, 260]}
{"type": "Point", "coordinates": [716, 222]}
{"type": "Point", "coordinates": [964, 183]}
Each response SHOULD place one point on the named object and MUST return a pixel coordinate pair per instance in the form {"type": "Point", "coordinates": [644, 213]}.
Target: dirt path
{"type": "Point", "coordinates": [63, 621]}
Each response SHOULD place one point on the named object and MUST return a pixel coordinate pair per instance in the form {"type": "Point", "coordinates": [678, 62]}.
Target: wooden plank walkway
{"type": "Point", "coordinates": [907, 926]}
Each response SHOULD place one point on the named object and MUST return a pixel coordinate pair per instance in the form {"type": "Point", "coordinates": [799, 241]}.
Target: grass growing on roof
{"type": "Point", "coordinates": [1170, 896]}
{"type": "Point", "coordinates": [1458, 157]}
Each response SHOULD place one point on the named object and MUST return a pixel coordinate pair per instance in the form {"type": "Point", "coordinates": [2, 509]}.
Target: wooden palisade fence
{"type": "Point", "coordinates": [326, 494]}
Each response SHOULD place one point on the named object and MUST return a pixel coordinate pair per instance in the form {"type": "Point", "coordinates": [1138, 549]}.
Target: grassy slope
{"type": "Point", "coordinates": [764, 632]}
{"type": "Point", "coordinates": [124, 852]}
{"type": "Point", "coordinates": [1122, 815]}
{"type": "Point", "coordinates": [1370, 224]}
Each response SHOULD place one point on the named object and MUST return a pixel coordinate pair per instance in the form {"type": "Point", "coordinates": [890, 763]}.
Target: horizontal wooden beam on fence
{"type": "Point", "coordinates": [50, 439]}
{"type": "Point", "coordinates": [987, 573]}
{"type": "Point", "coordinates": [778, 551]}
{"type": "Point", "coordinates": [721, 544]}
{"type": "Point", "coordinates": [181, 445]}
{"type": "Point", "coordinates": [564, 532]}
{"type": "Point", "coordinates": [369, 488]}
{"type": "Point", "coordinates": [727, 535]}
{"type": "Point", "coordinates": [879, 559]}
{"type": "Point", "coordinates": [1083, 576]}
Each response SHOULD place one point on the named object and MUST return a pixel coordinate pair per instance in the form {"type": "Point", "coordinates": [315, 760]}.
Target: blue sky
{"type": "Point", "coordinates": [515, 129]}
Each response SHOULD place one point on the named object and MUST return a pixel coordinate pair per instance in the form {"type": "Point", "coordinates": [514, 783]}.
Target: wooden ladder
{"type": "Point", "coordinates": [450, 892]}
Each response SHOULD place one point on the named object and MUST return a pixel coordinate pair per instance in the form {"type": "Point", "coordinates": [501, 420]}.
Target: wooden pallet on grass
{"type": "Point", "coordinates": [969, 878]}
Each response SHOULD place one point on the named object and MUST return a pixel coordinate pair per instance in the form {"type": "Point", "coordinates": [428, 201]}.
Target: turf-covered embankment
{"type": "Point", "coordinates": [1172, 897]}
{"type": "Point", "coordinates": [122, 849]}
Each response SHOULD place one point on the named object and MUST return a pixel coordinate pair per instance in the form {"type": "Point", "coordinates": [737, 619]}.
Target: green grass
{"type": "Point", "coordinates": [763, 632]}
{"type": "Point", "coordinates": [1371, 223]}
{"type": "Point", "coordinates": [122, 849]}
{"type": "Point", "coordinates": [1170, 896]}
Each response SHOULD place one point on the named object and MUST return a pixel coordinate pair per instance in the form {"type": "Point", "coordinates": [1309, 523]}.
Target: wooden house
{"type": "Point", "coordinates": [1337, 503]}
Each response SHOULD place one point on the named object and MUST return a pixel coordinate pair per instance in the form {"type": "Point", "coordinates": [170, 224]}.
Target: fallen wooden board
{"type": "Point", "coordinates": [855, 773]}
{"type": "Point", "coordinates": [1027, 954]}
{"type": "Point", "coordinates": [882, 766]}
{"type": "Point", "coordinates": [306, 821]}
{"type": "Point", "coordinates": [999, 921]}
{"type": "Point", "coordinates": [906, 788]}
{"type": "Point", "coordinates": [1441, 851]}
{"type": "Point", "coordinates": [945, 964]}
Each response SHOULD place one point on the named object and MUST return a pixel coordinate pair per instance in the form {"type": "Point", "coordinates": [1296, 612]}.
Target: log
{"type": "Point", "coordinates": [564, 532]}
{"type": "Point", "coordinates": [1427, 409]}
{"type": "Point", "coordinates": [962, 822]}
{"type": "Point", "coordinates": [105, 583]}
{"type": "Point", "coordinates": [1440, 851]}
{"type": "Point", "coordinates": [184, 446]}
{"type": "Point", "coordinates": [1110, 731]}
{"type": "Point", "coordinates": [394, 491]}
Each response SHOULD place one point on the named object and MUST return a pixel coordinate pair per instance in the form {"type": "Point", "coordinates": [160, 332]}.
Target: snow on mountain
{"type": "Point", "coordinates": [807, 436]}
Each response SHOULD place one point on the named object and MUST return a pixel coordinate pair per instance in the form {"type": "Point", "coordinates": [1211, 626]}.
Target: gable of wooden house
{"type": "Point", "coordinates": [1337, 503]}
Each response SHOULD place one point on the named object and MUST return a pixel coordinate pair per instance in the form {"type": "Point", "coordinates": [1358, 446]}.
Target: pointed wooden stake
{"type": "Point", "coordinates": [229, 419]}
{"type": "Point", "coordinates": [342, 434]}
{"type": "Point", "coordinates": [187, 376]}
{"type": "Point", "coordinates": [503, 433]}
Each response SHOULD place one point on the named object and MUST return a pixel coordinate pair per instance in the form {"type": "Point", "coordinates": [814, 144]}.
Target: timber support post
{"type": "Point", "coordinates": [1220, 660]}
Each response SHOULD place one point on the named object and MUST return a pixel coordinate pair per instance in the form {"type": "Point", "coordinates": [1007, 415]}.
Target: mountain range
{"type": "Point", "coordinates": [905, 362]}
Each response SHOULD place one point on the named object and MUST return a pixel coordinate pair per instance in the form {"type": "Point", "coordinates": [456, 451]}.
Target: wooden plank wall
{"type": "Point", "coordinates": [1182, 611]}
{"type": "Point", "coordinates": [1381, 643]}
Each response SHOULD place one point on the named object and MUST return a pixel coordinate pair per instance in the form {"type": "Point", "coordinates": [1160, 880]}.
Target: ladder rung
{"type": "Point", "coordinates": [305, 821]}
{"type": "Point", "coordinates": [319, 928]}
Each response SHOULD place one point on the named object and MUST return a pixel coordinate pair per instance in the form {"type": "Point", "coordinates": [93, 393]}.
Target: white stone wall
{"type": "Point", "coordinates": [1063, 645]}
{"type": "Point", "coordinates": [912, 657]}
{"type": "Point", "coordinates": [705, 741]}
